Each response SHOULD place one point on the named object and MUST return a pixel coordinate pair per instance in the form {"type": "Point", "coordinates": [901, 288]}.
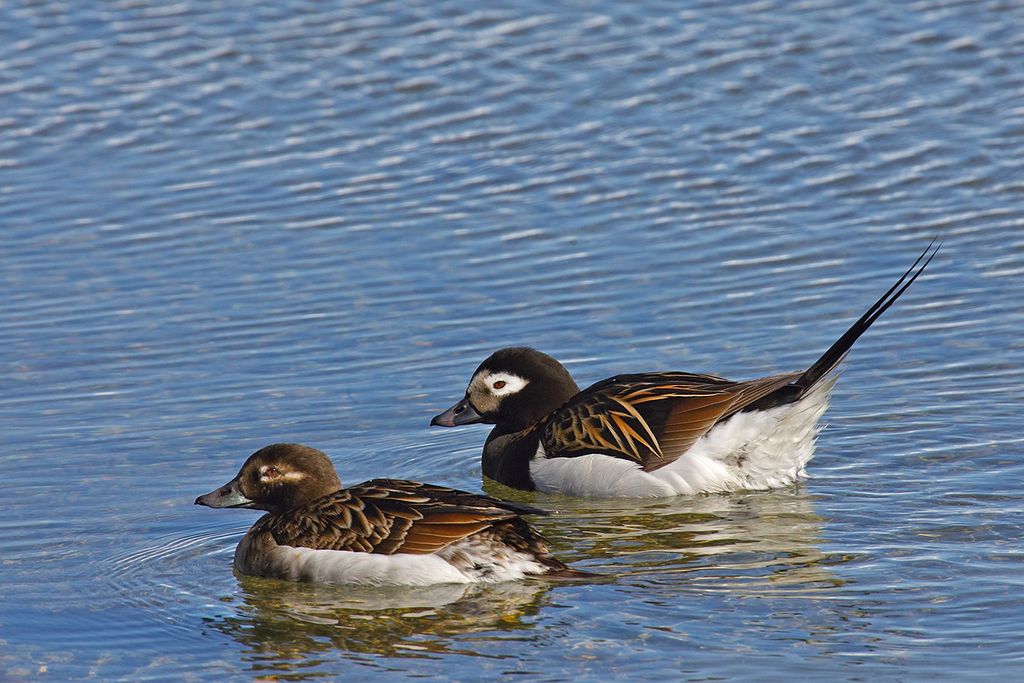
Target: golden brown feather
{"type": "Point", "coordinates": [652, 418]}
{"type": "Point", "coordinates": [387, 516]}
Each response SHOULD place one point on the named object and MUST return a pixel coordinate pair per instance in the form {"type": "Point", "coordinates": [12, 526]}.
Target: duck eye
{"type": "Point", "coordinates": [500, 384]}
{"type": "Point", "coordinates": [271, 473]}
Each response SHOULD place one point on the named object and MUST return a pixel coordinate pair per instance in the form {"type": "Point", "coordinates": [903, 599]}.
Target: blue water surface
{"type": "Point", "coordinates": [225, 225]}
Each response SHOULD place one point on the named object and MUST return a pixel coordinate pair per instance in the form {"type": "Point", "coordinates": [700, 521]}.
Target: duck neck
{"type": "Point", "coordinates": [507, 456]}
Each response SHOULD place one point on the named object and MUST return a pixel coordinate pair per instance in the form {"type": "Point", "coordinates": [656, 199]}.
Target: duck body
{"type": "Point", "coordinates": [652, 434]}
{"type": "Point", "coordinates": [380, 532]}
{"type": "Point", "coordinates": [751, 450]}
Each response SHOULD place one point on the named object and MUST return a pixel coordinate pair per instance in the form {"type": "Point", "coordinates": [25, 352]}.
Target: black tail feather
{"type": "Point", "coordinates": [521, 508]}
{"type": "Point", "coordinates": [561, 572]}
{"type": "Point", "coordinates": [831, 358]}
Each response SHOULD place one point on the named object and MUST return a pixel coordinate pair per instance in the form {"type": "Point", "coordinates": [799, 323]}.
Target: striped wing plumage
{"type": "Point", "coordinates": [389, 516]}
{"type": "Point", "coordinates": [651, 419]}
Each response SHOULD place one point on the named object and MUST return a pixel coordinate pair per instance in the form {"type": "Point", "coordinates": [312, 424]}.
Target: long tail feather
{"type": "Point", "coordinates": [831, 358]}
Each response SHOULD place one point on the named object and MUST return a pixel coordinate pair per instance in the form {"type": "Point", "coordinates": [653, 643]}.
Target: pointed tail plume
{"type": "Point", "coordinates": [831, 358]}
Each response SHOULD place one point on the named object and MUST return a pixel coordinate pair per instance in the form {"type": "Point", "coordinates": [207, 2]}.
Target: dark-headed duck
{"type": "Point", "coordinates": [380, 532]}
{"type": "Point", "coordinates": [652, 434]}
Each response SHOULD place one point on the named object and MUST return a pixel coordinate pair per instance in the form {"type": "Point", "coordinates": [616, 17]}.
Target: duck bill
{"type": "Point", "coordinates": [459, 414]}
{"type": "Point", "coordinates": [227, 496]}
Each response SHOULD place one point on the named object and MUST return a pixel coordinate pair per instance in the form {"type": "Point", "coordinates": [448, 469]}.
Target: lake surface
{"type": "Point", "coordinates": [228, 226]}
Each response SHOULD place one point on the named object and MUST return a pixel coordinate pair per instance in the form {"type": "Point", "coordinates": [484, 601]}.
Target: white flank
{"type": "Point", "coordinates": [472, 560]}
{"type": "Point", "coordinates": [595, 476]}
{"type": "Point", "coordinates": [753, 450]}
{"type": "Point", "coordinates": [368, 569]}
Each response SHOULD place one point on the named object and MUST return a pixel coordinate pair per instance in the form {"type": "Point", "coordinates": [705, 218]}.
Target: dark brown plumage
{"type": "Point", "coordinates": [477, 537]}
{"type": "Point", "coordinates": [391, 516]}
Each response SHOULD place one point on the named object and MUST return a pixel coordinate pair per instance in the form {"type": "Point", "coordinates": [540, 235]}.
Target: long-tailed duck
{"type": "Point", "coordinates": [380, 532]}
{"type": "Point", "coordinates": [652, 434]}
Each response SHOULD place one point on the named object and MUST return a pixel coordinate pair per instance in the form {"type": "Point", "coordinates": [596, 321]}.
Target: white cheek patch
{"type": "Point", "coordinates": [506, 382]}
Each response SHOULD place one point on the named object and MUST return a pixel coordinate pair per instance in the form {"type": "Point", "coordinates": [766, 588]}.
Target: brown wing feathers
{"type": "Point", "coordinates": [691, 418]}
{"type": "Point", "coordinates": [388, 516]}
{"type": "Point", "coordinates": [650, 419]}
{"type": "Point", "coordinates": [686, 422]}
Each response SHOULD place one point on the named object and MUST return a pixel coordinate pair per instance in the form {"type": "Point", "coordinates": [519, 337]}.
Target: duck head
{"type": "Point", "coordinates": [513, 389]}
{"type": "Point", "coordinates": [277, 478]}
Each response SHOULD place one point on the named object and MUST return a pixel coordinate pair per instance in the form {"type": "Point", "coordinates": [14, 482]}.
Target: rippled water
{"type": "Point", "coordinates": [225, 226]}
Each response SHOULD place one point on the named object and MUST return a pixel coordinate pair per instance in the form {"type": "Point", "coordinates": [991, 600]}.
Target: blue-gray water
{"type": "Point", "coordinates": [225, 225]}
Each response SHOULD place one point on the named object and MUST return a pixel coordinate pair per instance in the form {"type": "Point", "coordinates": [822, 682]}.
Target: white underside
{"type": "Point", "coordinates": [753, 450]}
{"type": "Point", "coordinates": [468, 561]}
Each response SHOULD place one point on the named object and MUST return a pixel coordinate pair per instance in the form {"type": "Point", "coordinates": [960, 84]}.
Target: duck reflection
{"type": "Point", "coordinates": [284, 625]}
{"type": "Point", "coordinates": [756, 539]}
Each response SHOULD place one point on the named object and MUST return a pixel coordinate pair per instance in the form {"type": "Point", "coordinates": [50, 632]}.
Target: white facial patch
{"type": "Point", "coordinates": [266, 476]}
{"type": "Point", "coordinates": [501, 383]}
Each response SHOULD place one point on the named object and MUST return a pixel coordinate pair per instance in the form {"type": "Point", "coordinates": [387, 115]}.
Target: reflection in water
{"type": "Point", "coordinates": [282, 625]}
{"type": "Point", "coordinates": [757, 539]}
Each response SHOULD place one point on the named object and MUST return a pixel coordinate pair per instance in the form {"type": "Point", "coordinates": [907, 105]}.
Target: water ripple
{"type": "Point", "coordinates": [226, 226]}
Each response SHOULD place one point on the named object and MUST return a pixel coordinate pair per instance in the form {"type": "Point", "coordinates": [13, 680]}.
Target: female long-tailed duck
{"type": "Point", "coordinates": [652, 434]}
{"type": "Point", "coordinates": [381, 532]}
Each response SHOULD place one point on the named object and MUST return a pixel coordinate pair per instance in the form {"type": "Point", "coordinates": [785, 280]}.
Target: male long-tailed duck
{"type": "Point", "coordinates": [652, 434]}
{"type": "Point", "coordinates": [380, 532]}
